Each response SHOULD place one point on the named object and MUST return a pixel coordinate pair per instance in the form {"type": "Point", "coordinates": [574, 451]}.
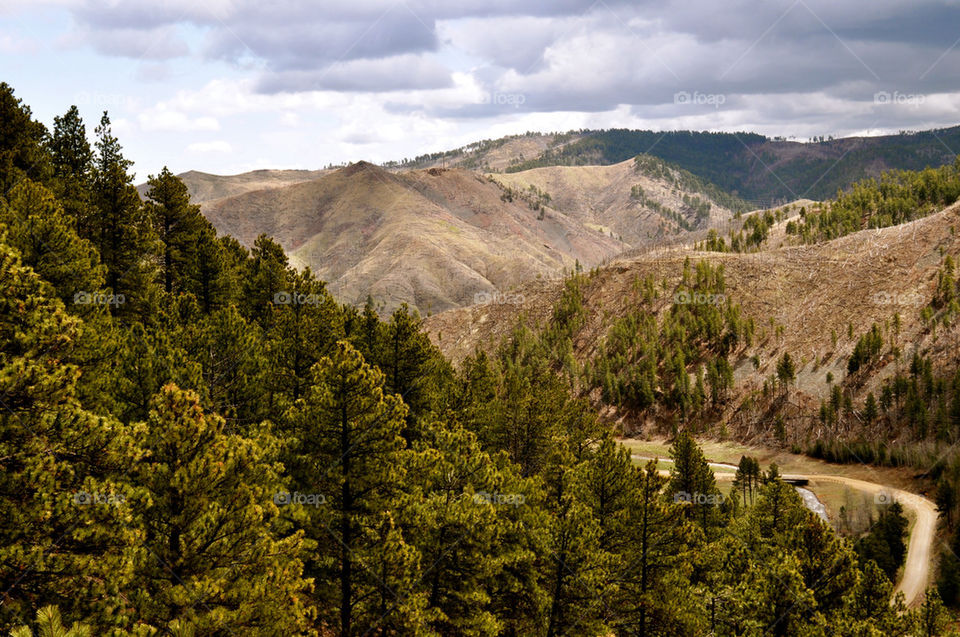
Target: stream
{"type": "Point", "coordinates": [811, 502]}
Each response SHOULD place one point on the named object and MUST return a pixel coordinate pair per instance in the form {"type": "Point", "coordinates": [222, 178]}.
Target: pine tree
{"type": "Point", "coordinates": [211, 553]}
{"type": "Point", "coordinates": [50, 624]}
{"type": "Point", "coordinates": [147, 359]}
{"type": "Point", "coordinates": [232, 356]}
{"type": "Point", "coordinates": [121, 233]}
{"type": "Point", "coordinates": [304, 326]}
{"type": "Point", "coordinates": [65, 539]}
{"type": "Point", "coordinates": [267, 276]}
{"type": "Point", "coordinates": [179, 226]}
{"type": "Point", "coordinates": [931, 617]}
{"type": "Point", "coordinates": [692, 481]}
{"type": "Point", "coordinates": [648, 599]}
{"type": "Point", "coordinates": [576, 568]}
{"type": "Point", "coordinates": [72, 160]}
{"type": "Point", "coordinates": [21, 142]}
{"type": "Point", "coordinates": [346, 446]}
{"type": "Point", "coordinates": [458, 519]}
{"type": "Point", "coordinates": [408, 363]}
{"type": "Point", "coordinates": [44, 235]}
{"type": "Point", "coordinates": [786, 371]}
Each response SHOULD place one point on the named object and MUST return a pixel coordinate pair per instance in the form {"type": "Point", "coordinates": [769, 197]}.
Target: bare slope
{"type": "Point", "coordinates": [620, 199]}
{"type": "Point", "coordinates": [432, 238]}
{"type": "Point", "coordinates": [490, 154]}
{"type": "Point", "coordinates": [800, 298]}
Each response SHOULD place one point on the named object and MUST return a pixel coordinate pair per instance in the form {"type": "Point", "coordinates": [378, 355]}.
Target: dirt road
{"type": "Point", "coordinates": [916, 572]}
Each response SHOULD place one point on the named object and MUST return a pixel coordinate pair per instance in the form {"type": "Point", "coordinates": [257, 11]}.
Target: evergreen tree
{"type": "Point", "coordinates": [304, 326]}
{"type": "Point", "coordinates": [179, 226]}
{"type": "Point", "coordinates": [267, 276]}
{"type": "Point", "coordinates": [38, 228]}
{"type": "Point", "coordinates": [72, 160]}
{"type": "Point", "coordinates": [650, 585]}
{"type": "Point", "coordinates": [692, 481]}
{"type": "Point", "coordinates": [211, 556]}
{"type": "Point", "coordinates": [232, 356]}
{"type": "Point", "coordinates": [50, 624]}
{"type": "Point", "coordinates": [65, 539]}
{"type": "Point", "coordinates": [458, 516]}
{"type": "Point", "coordinates": [21, 142]}
{"type": "Point", "coordinates": [121, 233]}
{"type": "Point", "coordinates": [575, 572]}
{"type": "Point", "coordinates": [346, 446]}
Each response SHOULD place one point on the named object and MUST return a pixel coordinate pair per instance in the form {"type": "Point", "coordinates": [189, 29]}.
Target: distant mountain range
{"type": "Point", "coordinates": [754, 167]}
{"type": "Point", "coordinates": [441, 231]}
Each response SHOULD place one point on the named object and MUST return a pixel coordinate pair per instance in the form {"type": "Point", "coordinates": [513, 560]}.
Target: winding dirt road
{"type": "Point", "coordinates": [916, 572]}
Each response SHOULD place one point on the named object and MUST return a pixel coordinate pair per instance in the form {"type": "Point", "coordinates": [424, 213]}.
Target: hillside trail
{"type": "Point", "coordinates": [917, 567]}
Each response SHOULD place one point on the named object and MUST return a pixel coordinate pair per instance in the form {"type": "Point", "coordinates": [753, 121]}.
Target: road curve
{"type": "Point", "coordinates": [916, 571]}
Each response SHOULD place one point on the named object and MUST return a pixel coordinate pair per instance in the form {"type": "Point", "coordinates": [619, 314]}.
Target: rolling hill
{"type": "Point", "coordinates": [433, 239]}
{"type": "Point", "coordinates": [437, 238]}
{"type": "Point", "coordinates": [205, 187]}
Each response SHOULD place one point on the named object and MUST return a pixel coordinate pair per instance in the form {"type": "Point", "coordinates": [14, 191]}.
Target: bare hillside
{"type": "Point", "coordinates": [433, 239]}
{"type": "Point", "coordinates": [803, 300]}
{"type": "Point", "coordinates": [620, 199]}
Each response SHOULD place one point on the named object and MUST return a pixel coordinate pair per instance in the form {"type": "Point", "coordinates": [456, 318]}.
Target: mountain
{"type": "Point", "coordinates": [490, 154]}
{"type": "Point", "coordinates": [437, 238]}
{"type": "Point", "coordinates": [642, 200]}
{"type": "Point", "coordinates": [757, 168]}
{"type": "Point", "coordinates": [432, 238]}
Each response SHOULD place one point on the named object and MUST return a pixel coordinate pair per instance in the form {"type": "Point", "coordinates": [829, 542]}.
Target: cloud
{"type": "Point", "coordinates": [392, 74]}
{"type": "Point", "coordinates": [218, 146]}
{"type": "Point", "coordinates": [393, 78]}
{"type": "Point", "coordinates": [157, 43]}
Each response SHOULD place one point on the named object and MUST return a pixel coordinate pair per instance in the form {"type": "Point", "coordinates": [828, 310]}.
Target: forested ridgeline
{"type": "Point", "coordinates": [896, 197]}
{"type": "Point", "coordinates": [197, 439]}
{"type": "Point", "coordinates": [740, 163]}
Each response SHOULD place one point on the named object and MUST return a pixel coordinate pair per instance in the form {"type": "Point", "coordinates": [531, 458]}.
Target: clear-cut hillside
{"type": "Point", "coordinates": [640, 207]}
{"type": "Point", "coordinates": [803, 300]}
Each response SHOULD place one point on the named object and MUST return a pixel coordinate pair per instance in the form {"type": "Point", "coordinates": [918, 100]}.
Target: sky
{"type": "Point", "coordinates": [226, 86]}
